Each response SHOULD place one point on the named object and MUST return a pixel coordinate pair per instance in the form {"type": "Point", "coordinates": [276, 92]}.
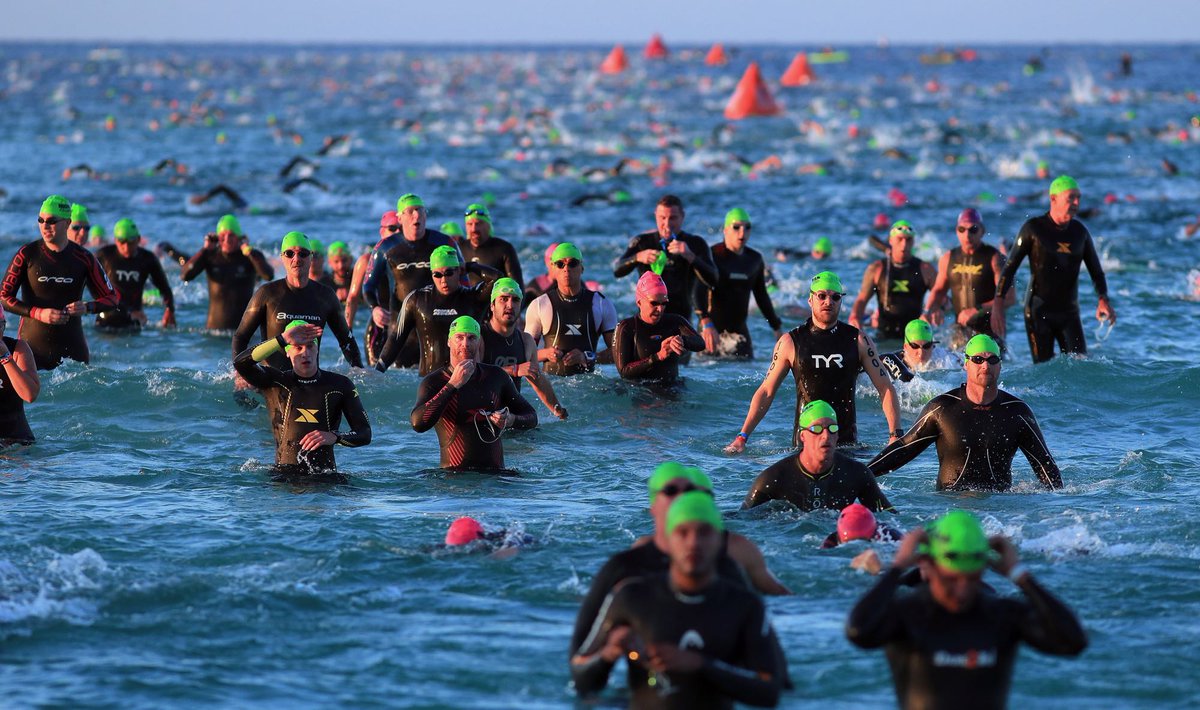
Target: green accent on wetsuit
{"type": "Point", "coordinates": [917, 330]}
{"type": "Point", "coordinates": [451, 229]}
{"type": "Point", "coordinates": [125, 231]}
{"type": "Point", "coordinates": [56, 205]}
{"type": "Point", "coordinates": [982, 344]}
{"type": "Point", "coordinates": [463, 324]}
{"type": "Point", "coordinates": [79, 214]}
{"type": "Point", "coordinates": [505, 286]}
{"type": "Point", "coordinates": [444, 257]}
{"type": "Point", "coordinates": [814, 411]}
{"type": "Point", "coordinates": [694, 507]}
{"type": "Point", "coordinates": [229, 223]}
{"type": "Point", "coordinates": [264, 350]}
{"type": "Point", "coordinates": [958, 543]}
{"type": "Point", "coordinates": [660, 263]}
{"type": "Point", "coordinates": [566, 250]}
{"type": "Point", "coordinates": [826, 281]}
{"type": "Point", "coordinates": [737, 214]}
{"type": "Point", "coordinates": [294, 239]}
{"type": "Point", "coordinates": [408, 200]}
{"type": "Point", "coordinates": [1062, 183]}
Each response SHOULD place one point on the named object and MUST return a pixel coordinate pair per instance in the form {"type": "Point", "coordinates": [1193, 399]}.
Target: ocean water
{"type": "Point", "coordinates": [147, 561]}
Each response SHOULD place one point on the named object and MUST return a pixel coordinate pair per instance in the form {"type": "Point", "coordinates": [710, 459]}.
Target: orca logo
{"type": "Point", "coordinates": [308, 416]}
{"type": "Point", "coordinates": [56, 279]}
{"type": "Point", "coordinates": [834, 360]}
{"type": "Point", "coordinates": [573, 329]}
{"type": "Point", "coordinates": [127, 275]}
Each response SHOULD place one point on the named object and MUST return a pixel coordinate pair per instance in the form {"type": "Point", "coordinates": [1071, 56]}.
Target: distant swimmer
{"type": "Point", "coordinates": [316, 263]}
{"type": "Point", "coordinates": [818, 476]}
{"type": "Point", "coordinates": [19, 385]}
{"type": "Point", "coordinates": [335, 145]}
{"type": "Point", "coordinates": [231, 274]}
{"type": "Point", "coordinates": [235, 199]}
{"type": "Point", "coordinates": [691, 638]}
{"type": "Point", "coordinates": [453, 230]}
{"type": "Point", "coordinates": [83, 170]}
{"type": "Point", "coordinates": [647, 346]}
{"type": "Point", "coordinates": [301, 166]}
{"type": "Point", "coordinates": [306, 403]}
{"type": "Point", "coordinates": [570, 319]}
{"type": "Point", "coordinates": [468, 534]}
{"type": "Point", "coordinates": [128, 267]}
{"type": "Point", "coordinates": [80, 230]}
{"type": "Point", "coordinates": [513, 350]}
{"type": "Point", "coordinates": [482, 247]}
{"type": "Point", "coordinates": [824, 357]}
{"type": "Point", "coordinates": [292, 185]}
{"type": "Point", "coordinates": [898, 282]}
{"type": "Point", "coordinates": [949, 643]}
{"type": "Point", "coordinates": [857, 522]}
{"type": "Point", "coordinates": [340, 273]}
{"type": "Point", "coordinates": [470, 405]}
{"type": "Point", "coordinates": [968, 273]}
{"type": "Point", "coordinates": [612, 197]}
{"type": "Point", "coordinates": [96, 237]}
{"type": "Point", "coordinates": [977, 428]}
{"type": "Point", "coordinates": [1056, 244]}
{"type": "Point", "coordinates": [821, 249]}
{"type": "Point", "coordinates": [294, 297]}
{"type": "Point", "coordinates": [44, 284]}
{"type": "Point", "coordinates": [741, 272]}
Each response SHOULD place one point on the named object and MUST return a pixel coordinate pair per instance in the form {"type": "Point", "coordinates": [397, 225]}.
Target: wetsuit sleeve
{"type": "Point", "coordinates": [872, 497]}
{"type": "Point", "coordinates": [489, 273]}
{"type": "Point", "coordinates": [759, 492]}
{"type": "Point", "coordinates": [194, 266]}
{"type": "Point", "coordinates": [627, 262]}
{"type": "Point", "coordinates": [872, 622]}
{"type": "Point", "coordinates": [702, 265]}
{"type": "Point", "coordinates": [336, 321]}
{"type": "Point", "coordinates": [159, 278]}
{"type": "Point", "coordinates": [14, 278]}
{"type": "Point", "coordinates": [172, 253]}
{"type": "Point", "coordinates": [1019, 251]}
{"type": "Point", "coordinates": [909, 446]}
{"type": "Point", "coordinates": [378, 271]}
{"type": "Point", "coordinates": [261, 265]}
{"type": "Point", "coordinates": [589, 670]}
{"type": "Point", "coordinates": [106, 297]}
{"type": "Point", "coordinates": [895, 366]}
{"type": "Point", "coordinates": [625, 350]}
{"type": "Point", "coordinates": [1049, 625]}
{"type": "Point", "coordinates": [517, 405]}
{"type": "Point", "coordinates": [251, 320]}
{"type": "Point", "coordinates": [589, 609]}
{"type": "Point", "coordinates": [356, 418]}
{"type": "Point", "coordinates": [254, 373]}
{"type": "Point", "coordinates": [1033, 445]}
{"type": "Point", "coordinates": [763, 298]}
{"type": "Point", "coordinates": [399, 333]}
{"type": "Point", "coordinates": [512, 266]}
{"type": "Point", "coordinates": [758, 681]}
{"type": "Point", "coordinates": [1092, 261]}
{"type": "Point", "coordinates": [433, 397]}
{"type": "Point", "coordinates": [691, 339]}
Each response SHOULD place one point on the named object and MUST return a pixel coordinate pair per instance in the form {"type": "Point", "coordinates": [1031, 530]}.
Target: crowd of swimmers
{"type": "Point", "coordinates": [681, 606]}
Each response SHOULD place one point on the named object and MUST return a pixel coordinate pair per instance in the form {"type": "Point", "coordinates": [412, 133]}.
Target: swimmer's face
{"type": "Point", "coordinates": [478, 231]}
{"type": "Point", "coordinates": [567, 273]}
{"type": "Point", "coordinates": [317, 263]}
{"type": "Point", "coordinates": [127, 247]}
{"type": "Point", "coordinates": [668, 220]}
{"type": "Point", "coordinates": [229, 241]}
{"type": "Point", "coordinates": [919, 351]}
{"type": "Point", "coordinates": [339, 262]}
{"type": "Point", "coordinates": [412, 221]}
{"type": "Point", "coordinates": [819, 254]}
{"type": "Point", "coordinates": [825, 442]}
{"type": "Point", "coordinates": [970, 236]}
{"type": "Point", "coordinates": [299, 262]}
{"type": "Point", "coordinates": [304, 358]}
{"type": "Point", "coordinates": [953, 591]}
{"type": "Point", "coordinates": [54, 229]}
{"type": "Point", "coordinates": [825, 305]}
{"type": "Point", "coordinates": [78, 232]}
{"type": "Point", "coordinates": [446, 279]}
{"type": "Point", "coordinates": [388, 230]}
{"type": "Point", "coordinates": [902, 244]}
{"type": "Point", "coordinates": [463, 347]}
{"type": "Point", "coordinates": [736, 235]}
{"type": "Point", "coordinates": [693, 547]}
{"type": "Point", "coordinates": [506, 308]}
{"type": "Point", "coordinates": [1065, 204]}
{"type": "Point", "coordinates": [666, 496]}
{"type": "Point", "coordinates": [651, 307]}
{"type": "Point", "coordinates": [984, 374]}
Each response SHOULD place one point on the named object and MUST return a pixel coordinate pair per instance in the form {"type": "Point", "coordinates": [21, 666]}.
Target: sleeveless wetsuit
{"type": "Point", "coordinates": [129, 277]}
{"type": "Point", "coordinates": [679, 276]}
{"type": "Point", "coordinates": [455, 414]}
{"type": "Point", "coordinates": [39, 277]}
{"type": "Point", "coordinates": [570, 324]}
{"type": "Point", "coordinates": [846, 481]}
{"type": "Point", "coordinates": [739, 276]}
{"type": "Point", "coordinates": [14, 427]}
{"type": "Point", "coordinates": [276, 304]}
{"type": "Point", "coordinates": [503, 351]}
{"type": "Point", "coordinates": [231, 279]}
{"type": "Point", "coordinates": [972, 282]}
{"type": "Point", "coordinates": [429, 314]}
{"type": "Point", "coordinates": [975, 443]}
{"type": "Point", "coordinates": [825, 366]}
{"type": "Point", "coordinates": [900, 290]}
{"type": "Point", "coordinates": [1052, 301]}
{"type": "Point", "coordinates": [636, 345]}
{"type": "Point", "coordinates": [965, 660]}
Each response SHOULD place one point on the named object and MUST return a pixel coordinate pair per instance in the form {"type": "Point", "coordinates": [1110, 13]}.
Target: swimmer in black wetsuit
{"type": "Point", "coordinates": [824, 356]}
{"type": "Point", "coordinates": [898, 281]}
{"type": "Point", "coordinates": [231, 273]}
{"type": "Point", "coordinates": [917, 355]}
{"type": "Point", "coordinates": [340, 274]}
{"type": "Point", "coordinates": [818, 476]}
{"type": "Point", "coordinates": [306, 403]}
{"type": "Point", "coordinates": [429, 311]}
{"type": "Point", "coordinates": [571, 318]}
{"type": "Point", "coordinates": [80, 229]}
{"type": "Point", "coordinates": [294, 297]}
{"type": "Point", "coordinates": [1056, 244]}
{"type": "Point", "coordinates": [513, 350]}
{"type": "Point", "coordinates": [19, 384]}
{"type": "Point", "coordinates": [740, 272]}
{"type": "Point", "coordinates": [128, 266]}
{"type": "Point", "coordinates": [374, 335]}
{"type": "Point", "coordinates": [949, 644]}
{"type": "Point", "coordinates": [692, 638]}
{"type": "Point", "coordinates": [44, 284]}
{"type": "Point", "coordinates": [481, 247]}
{"type": "Point", "coordinates": [969, 273]}
{"type": "Point", "coordinates": [235, 199]}
{"type": "Point", "coordinates": [977, 428]}
{"type": "Point", "coordinates": [646, 347]}
{"type": "Point", "coordinates": [470, 405]}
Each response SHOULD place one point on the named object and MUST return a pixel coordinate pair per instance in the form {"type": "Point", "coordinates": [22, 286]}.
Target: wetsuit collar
{"type": "Point", "coordinates": [308, 380]}
{"type": "Point", "coordinates": [687, 598]}
{"type": "Point", "coordinates": [812, 325]}
{"type": "Point", "coordinates": [815, 476]}
{"type": "Point", "coordinates": [570, 298]}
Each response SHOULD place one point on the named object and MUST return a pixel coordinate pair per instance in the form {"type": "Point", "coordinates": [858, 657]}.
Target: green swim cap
{"type": "Point", "coordinates": [694, 507]}
{"type": "Point", "coordinates": [1042, 164]}
{"type": "Point", "coordinates": [408, 200]}
{"type": "Point", "coordinates": [814, 410]}
{"type": "Point", "coordinates": [957, 542]}
{"type": "Point", "coordinates": [56, 205]}
{"type": "Point", "coordinates": [668, 471]}
{"type": "Point", "coordinates": [339, 248]}
{"type": "Point", "coordinates": [982, 344]}
{"type": "Point", "coordinates": [917, 330]}
{"type": "Point", "coordinates": [826, 281]}
{"type": "Point", "coordinates": [477, 211]}
{"type": "Point", "coordinates": [620, 197]}
{"type": "Point", "coordinates": [463, 324]}
{"type": "Point", "coordinates": [901, 227]}
{"type": "Point", "coordinates": [737, 214]}
{"type": "Point", "coordinates": [443, 257]}
{"type": "Point", "coordinates": [505, 287]}
{"type": "Point", "coordinates": [294, 239]}
{"type": "Point", "coordinates": [566, 250]}
{"type": "Point", "coordinates": [79, 213]}
{"type": "Point", "coordinates": [294, 324]}
{"type": "Point", "coordinates": [316, 246]}
{"type": "Point", "coordinates": [229, 223]}
{"type": "Point", "coordinates": [96, 232]}
{"type": "Point", "coordinates": [125, 231]}
{"type": "Point", "coordinates": [1063, 183]}
{"type": "Point", "coordinates": [451, 229]}
{"type": "Point", "coordinates": [824, 245]}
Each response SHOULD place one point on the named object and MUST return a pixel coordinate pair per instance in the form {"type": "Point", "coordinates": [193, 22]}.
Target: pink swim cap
{"type": "Point", "coordinates": [970, 216]}
{"type": "Point", "coordinates": [856, 523]}
{"type": "Point", "coordinates": [651, 285]}
{"type": "Point", "coordinates": [882, 221]}
{"type": "Point", "coordinates": [389, 218]}
{"type": "Point", "coordinates": [464, 530]}
{"type": "Point", "coordinates": [548, 256]}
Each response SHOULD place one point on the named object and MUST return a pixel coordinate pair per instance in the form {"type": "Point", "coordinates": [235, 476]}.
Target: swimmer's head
{"type": "Point", "coordinates": [826, 281]}
{"type": "Point", "coordinates": [668, 471]}
{"type": "Point", "coordinates": [548, 256]}
{"type": "Point", "coordinates": [506, 287]}
{"type": "Point", "coordinates": [79, 213]}
{"type": "Point", "coordinates": [451, 229]}
{"type": "Point", "coordinates": [620, 197]}
{"type": "Point", "coordinates": [318, 249]}
{"type": "Point", "coordinates": [126, 231]}
{"type": "Point", "coordinates": [651, 286]}
{"type": "Point", "coordinates": [56, 206]}
{"type": "Point", "coordinates": [957, 543]}
{"type": "Point", "coordinates": [694, 507]}
{"type": "Point", "coordinates": [295, 240]}
{"type": "Point", "coordinates": [464, 324]}
{"type": "Point", "coordinates": [229, 223]}
{"type": "Point", "coordinates": [982, 344]}
{"type": "Point", "coordinates": [917, 331]}
{"type": "Point", "coordinates": [902, 228]}
{"type": "Point", "coordinates": [856, 522]}
{"type": "Point", "coordinates": [294, 324]}
{"type": "Point", "coordinates": [444, 257]}
{"type": "Point", "coordinates": [96, 233]}
{"type": "Point", "coordinates": [337, 248]}
{"type": "Point", "coordinates": [737, 214]}
{"type": "Point", "coordinates": [408, 200]}
{"type": "Point", "coordinates": [881, 221]}
{"type": "Point", "coordinates": [970, 216]}
{"type": "Point", "coordinates": [1062, 183]}
{"type": "Point", "coordinates": [476, 211]}
{"type": "Point", "coordinates": [564, 251]}
{"type": "Point", "coordinates": [464, 530]}
{"type": "Point", "coordinates": [823, 247]}
{"type": "Point", "coordinates": [815, 411]}
{"type": "Point", "coordinates": [390, 219]}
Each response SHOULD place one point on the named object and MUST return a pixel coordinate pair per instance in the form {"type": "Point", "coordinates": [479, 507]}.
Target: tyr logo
{"type": "Point", "coordinates": [829, 361]}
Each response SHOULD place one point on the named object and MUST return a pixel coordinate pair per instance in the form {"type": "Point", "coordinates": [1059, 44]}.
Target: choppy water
{"type": "Point", "coordinates": [146, 561]}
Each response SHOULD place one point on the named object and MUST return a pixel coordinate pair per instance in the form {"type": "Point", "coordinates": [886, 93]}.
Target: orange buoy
{"type": "Point", "coordinates": [716, 56]}
{"type": "Point", "coordinates": [799, 73]}
{"type": "Point", "coordinates": [751, 97]}
{"type": "Point", "coordinates": [615, 62]}
{"type": "Point", "coordinates": [655, 49]}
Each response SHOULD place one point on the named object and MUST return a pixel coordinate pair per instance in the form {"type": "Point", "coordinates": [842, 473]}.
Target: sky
{"type": "Point", "coordinates": [697, 22]}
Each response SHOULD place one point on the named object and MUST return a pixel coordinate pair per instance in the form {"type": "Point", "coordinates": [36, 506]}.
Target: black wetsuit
{"type": "Point", "coordinates": [276, 304]}
{"type": "Point", "coordinates": [404, 264]}
{"type": "Point", "coordinates": [14, 427]}
{"type": "Point", "coordinates": [339, 283]}
{"type": "Point", "coordinates": [846, 481]}
{"type": "Point", "coordinates": [503, 351]}
{"type": "Point", "coordinates": [457, 416]}
{"type": "Point", "coordinates": [972, 283]}
{"type": "Point", "coordinates": [379, 295]}
{"type": "Point", "coordinates": [577, 323]}
{"type": "Point", "coordinates": [725, 623]}
{"type": "Point", "coordinates": [298, 406]}
{"type": "Point", "coordinates": [739, 276]}
{"type": "Point", "coordinates": [825, 366]}
{"type": "Point", "coordinates": [129, 277]}
{"type": "Point", "coordinates": [175, 255]}
{"type": "Point", "coordinates": [496, 253]}
{"type": "Point", "coordinates": [679, 276]}
{"type": "Point", "coordinates": [900, 290]}
{"type": "Point", "coordinates": [894, 363]}
{"type": "Point", "coordinates": [965, 660]}
{"type": "Point", "coordinates": [636, 345]}
{"type": "Point", "coordinates": [1052, 301]}
{"type": "Point", "coordinates": [429, 314]}
{"type": "Point", "coordinates": [975, 443]}
{"type": "Point", "coordinates": [39, 277]}
{"type": "Point", "coordinates": [231, 279]}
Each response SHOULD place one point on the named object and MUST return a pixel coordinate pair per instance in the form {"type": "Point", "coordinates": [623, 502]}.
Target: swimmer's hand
{"type": "Point", "coordinates": [524, 370]}
{"type": "Point", "coordinates": [671, 346]}
{"type": "Point", "coordinates": [710, 339]}
{"type": "Point", "coordinates": [49, 316]}
{"type": "Point", "coordinates": [647, 256]}
{"type": "Point", "coordinates": [999, 327]}
{"type": "Point", "coordinates": [168, 319]}
{"type": "Point", "coordinates": [77, 308]}
{"type": "Point", "coordinates": [909, 552]}
{"type": "Point", "coordinates": [1007, 557]}
{"type": "Point", "coordinates": [867, 561]}
{"type": "Point", "coordinates": [620, 641]}
{"type": "Point", "coordinates": [575, 357]}
{"type": "Point", "coordinates": [667, 657]}
{"type": "Point", "coordinates": [737, 446]}
{"type": "Point", "coordinates": [1105, 312]}
{"type": "Point", "coordinates": [381, 317]}
{"type": "Point", "coordinates": [314, 440]}
{"type": "Point", "coordinates": [965, 316]}
{"type": "Point", "coordinates": [301, 334]}
{"type": "Point", "coordinates": [678, 247]}
{"type": "Point", "coordinates": [549, 355]}
{"type": "Point", "coordinates": [502, 419]}
{"type": "Point", "coordinates": [462, 373]}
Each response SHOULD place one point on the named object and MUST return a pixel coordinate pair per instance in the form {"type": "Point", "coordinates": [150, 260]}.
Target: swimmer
{"type": "Point", "coordinates": [470, 405]}
{"type": "Point", "coordinates": [570, 318]}
{"type": "Point", "coordinates": [306, 403]}
{"type": "Point", "coordinates": [857, 522]}
{"type": "Point", "coordinates": [44, 285]}
{"type": "Point", "coordinates": [452, 230]}
{"type": "Point", "coordinates": [647, 346]}
{"type": "Point", "coordinates": [480, 246]}
{"type": "Point", "coordinates": [949, 644]}
{"type": "Point", "coordinates": [340, 273]}
{"type": "Point", "coordinates": [821, 249]}
{"type": "Point", "coordinates": [916, 355]}
{"type": "Point", "coordinates": [740, 273]}
{"type": "Point", "coordinates": [19, 385]}
{"type": "Point", "coordinates": [96, 236]}
{"type": "Point", "coordinates": [292, 185]}
{"type": "Point", "coordinates": [969, 274]}
{"type": "Point", "coordinates": [513, 350]}
{"type": "Point", "coordinates": [316, 263]}
{"type": "Point", "coordinates": [544, 282]}
{"type": "Point", "coordinates": [467, 533]}
{"type": "Point", "coordinates": [301, 165]}
{"type": "Point", "coordinates": [128, 267]}
{"type": "Point", "coordinates": [235, 199]}
{"type": "Point", "coordinates": [898, 281]}
{"type": "Point", "coordinates": [231, 274]}
{"type": "Point", "coordinates": [818, 476]}
{"type": "Point", "coordinates": [374, 335]}
{"type": "Point", "coordinates": [81, 226]}
{"type": "Point", "coordinates": [977, 428]}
